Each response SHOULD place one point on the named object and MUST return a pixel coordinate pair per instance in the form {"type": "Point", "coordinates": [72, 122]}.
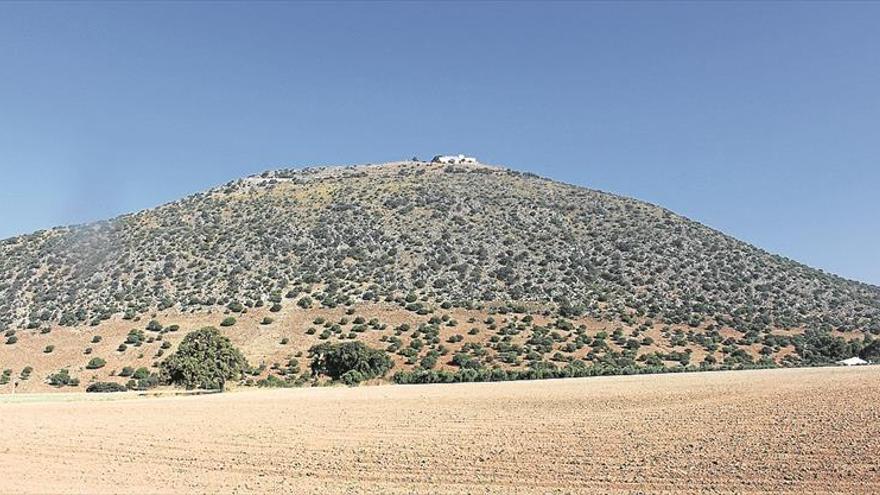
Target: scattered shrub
{"type": "Point", "coordinates": [96, 363]}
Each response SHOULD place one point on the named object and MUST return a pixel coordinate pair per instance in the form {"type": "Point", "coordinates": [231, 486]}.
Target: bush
{"type": "Point", "coordinates": [154, 326]}
{"type": "Point", "coordinates": [140, 373]}
{"type": "Point", "coordinates": [96, 339]}
{"type": "Point", "coordinates": [150, 380]}
{"type": "Point", "coordinates": [267, 321]}
{"type": "Point", "coordinates": [335, 360]}
{"type": "Point", "coordinates": [62, 378]}
{"type": "Point", "coordinates": [305, 302]}
{"type": "Point", "coordinates": [11, 340]}
{"type": "Point", "coordinates": [49, 349]}
{"type": "Point", "coordinates": [352, 377]}
{"type": "Point", "coordinates": [126, 371]}
{"type": "Point", "coordinates": [204, 359]}
{"type": "Point", "coordinates": [135, 337]}
{"type": "Point", "coordinates": [96, 363]}
{"type": "Point", "coordinates": [104, 387]}
{"type": "Point", "coordinates": [228, 322]}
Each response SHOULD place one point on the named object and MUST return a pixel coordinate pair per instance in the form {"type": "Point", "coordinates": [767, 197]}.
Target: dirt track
{"type": "Point", "coordinates": [807, 431]}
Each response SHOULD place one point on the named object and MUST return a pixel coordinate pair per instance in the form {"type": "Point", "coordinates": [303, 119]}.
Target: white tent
{"type": "Point", "coordinates": [853, 361]}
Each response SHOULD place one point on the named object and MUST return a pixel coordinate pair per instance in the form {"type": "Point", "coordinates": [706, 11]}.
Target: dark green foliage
{"type": "Point", "coordinates": [544, 371]}
{"type": "Point", "coordinates": [135, 337]}
{"type": "Point", "coordinates": [96, 363]}
{"type": "Point", "coordinates": [140, 373]}
{"type": "Point", "coordinates": [428, 362]}
{"type": "Point", "coordinates": [126, 371]}
{"type": "Point", "coordinates": [871, 350]}
{"type": "Point", "coordinates": [105, 387]}
{"type": "Point", "coordinates": [228, 322]}
{"type": "Point", "coordinates": [335, 360]}
{"type": "Point", "coordinates": [817, 347]}
{"type": "Point", "coordinates": [465, 361]}
{"type": "Point", "coordinates": [143, 381]}
{"type": "Point", "coordinates": [352, 377]}
{"type": "Point", "coordinates": [154, 326]}
{"type": "Point", "coordinates": [62, 378]}
{"type": "Point", "coordinates": [204, 359]}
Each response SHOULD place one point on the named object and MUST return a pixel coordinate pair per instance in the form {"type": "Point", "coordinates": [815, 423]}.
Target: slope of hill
{"type": "Point", "coordinates": [536, 268]}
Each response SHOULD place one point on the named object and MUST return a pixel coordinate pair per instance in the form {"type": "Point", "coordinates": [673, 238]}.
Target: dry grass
{"type": "Point", "coordinates": [799, 430]}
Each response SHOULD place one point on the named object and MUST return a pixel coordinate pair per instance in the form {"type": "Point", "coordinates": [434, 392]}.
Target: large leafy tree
{"type": "Point", "coordinates": [205, 359]}
{"type": "Point", "coordinates": [351, 362]}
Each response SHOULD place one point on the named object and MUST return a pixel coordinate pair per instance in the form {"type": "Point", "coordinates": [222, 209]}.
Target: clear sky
{"type": "Point", "coordinates": [760, 120]}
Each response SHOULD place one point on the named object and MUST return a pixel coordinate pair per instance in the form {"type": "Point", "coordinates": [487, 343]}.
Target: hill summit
{"type": "Point", "coordinates": [429, 239]}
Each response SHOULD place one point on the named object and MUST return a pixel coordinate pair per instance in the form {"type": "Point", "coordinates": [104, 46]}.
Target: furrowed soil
{"type": "Point", "coordinates": [794, 430]}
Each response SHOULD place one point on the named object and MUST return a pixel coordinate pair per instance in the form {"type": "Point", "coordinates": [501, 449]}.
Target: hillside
{"type": "Point", "coordinates": [507, 269]}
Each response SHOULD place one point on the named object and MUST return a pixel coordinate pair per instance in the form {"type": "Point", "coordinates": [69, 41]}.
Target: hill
{"type": "Point", "coordinates": [445, 266]}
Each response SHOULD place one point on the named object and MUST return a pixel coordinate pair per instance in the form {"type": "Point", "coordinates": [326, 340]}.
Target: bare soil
{"type": "Point", "coordinates": [772, 431]}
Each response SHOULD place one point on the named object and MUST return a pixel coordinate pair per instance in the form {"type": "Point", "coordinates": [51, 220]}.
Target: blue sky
{"type": "Point", "coordinates": [760, 120]}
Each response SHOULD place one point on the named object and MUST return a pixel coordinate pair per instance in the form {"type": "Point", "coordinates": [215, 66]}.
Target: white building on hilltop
{"type": "Point", "coordinates": [454, 159]}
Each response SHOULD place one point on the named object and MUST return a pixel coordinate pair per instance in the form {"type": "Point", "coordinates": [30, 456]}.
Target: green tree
{"type": "Point", "coordinates": [204, 359]}
{"type": "Point", "coordinates": [336, 360]}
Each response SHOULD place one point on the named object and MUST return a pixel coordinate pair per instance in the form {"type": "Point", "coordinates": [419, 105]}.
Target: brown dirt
{"type": "Point", "coordinates": [772, 431]}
